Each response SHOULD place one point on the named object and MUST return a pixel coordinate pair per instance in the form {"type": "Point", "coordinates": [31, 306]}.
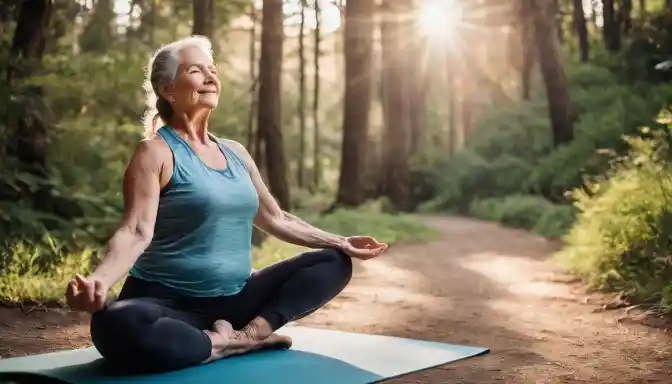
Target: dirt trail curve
{"type": "Point", "coordinates": [478, 284]}
{"type": "Point", "coordinates": [484, 285]}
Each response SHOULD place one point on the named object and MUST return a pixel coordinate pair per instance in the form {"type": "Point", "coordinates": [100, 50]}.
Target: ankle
{"type": "Point", "coordinates": [217, 340]}
{"type": "Point", "coordinates": [257, 329]}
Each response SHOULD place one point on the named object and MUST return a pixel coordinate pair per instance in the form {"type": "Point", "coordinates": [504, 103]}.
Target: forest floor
{"type": "Point", "coordinates": [478, 284]}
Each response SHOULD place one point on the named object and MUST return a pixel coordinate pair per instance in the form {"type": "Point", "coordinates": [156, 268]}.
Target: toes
{"type": "Point", "coordinates": [222, 326]}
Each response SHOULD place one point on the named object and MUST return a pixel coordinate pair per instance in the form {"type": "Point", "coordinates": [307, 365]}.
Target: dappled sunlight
{"type": "Point", "coordinates": [512, 273]}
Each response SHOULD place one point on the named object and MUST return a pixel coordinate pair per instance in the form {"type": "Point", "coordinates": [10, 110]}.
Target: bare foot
{"type": "Point", "coordinates": [228, 342]}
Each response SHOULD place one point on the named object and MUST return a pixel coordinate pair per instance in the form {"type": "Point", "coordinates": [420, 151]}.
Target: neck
{"type": "Point", "coordinates": [194, 125]}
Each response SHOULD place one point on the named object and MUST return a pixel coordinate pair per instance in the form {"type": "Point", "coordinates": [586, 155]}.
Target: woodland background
{"type": "Point", "coordinates": [548, 115]}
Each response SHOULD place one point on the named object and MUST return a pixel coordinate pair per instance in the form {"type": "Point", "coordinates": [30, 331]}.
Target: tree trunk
{"type": "Point", "coordinates": [557, 20]}
{"type": "Point", "coordinates": [452, 108]}
{"type": "Point", "coordinates": [642, 9]}
{"type": "Point", "coordinates": [418, 73]}
{"type": "Point", "coordinates": [528, 48]}
{"type": "Point", "coordinates": [625, 16]}
{"type": "Point", "coordinates": [32, 125]}
{"type": "Point", "coordinates": [269, 116]}
{"type": "Point", "coordinates": [396, 106]}
{"type": "Point", "coordinates": [611, 31]}
{"type": "Point", "coordinates": [357, 100]}
{"type": "Point", "coordinates": [553, 73]}
{"type": "Point", "coordinates": [317, 169]}
{"type": "Point", "coordinates": [29, 38]}
{"type": "Point", "coordinates": [203, 18]}
{"type": "Point", "coordinates": [581, 29]}
{"type": "Point", "coordinates": [302, 98]}
{"type": "Point", "coordinates": [253, 80]}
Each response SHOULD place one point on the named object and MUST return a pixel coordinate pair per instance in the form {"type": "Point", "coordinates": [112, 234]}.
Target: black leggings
{"type": "Point", "coordinates": [150, 328]}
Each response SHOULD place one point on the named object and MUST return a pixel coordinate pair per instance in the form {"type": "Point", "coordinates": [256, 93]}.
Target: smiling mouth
{"type": "Point", "coordinates": [207, 92]}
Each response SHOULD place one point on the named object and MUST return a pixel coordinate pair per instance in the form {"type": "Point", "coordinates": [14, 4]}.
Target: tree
{"type": "Point", "coordinates": [357, 100]}
{"type": "Point", "coordinates": [418, 88]}
{"type": "Point", "coordinates": [579, 21]}
{"type": "Point", "coordinates": [269, 115]}
{"type": "Point", "coordinates": [31, 125]}
{"type": "Point", "coordinates": [553, 72]}
{"type": "Point", "coordinates": [611, 31]}
{"type": "Point", "coordinates": [317, 170]}
{"type": "Point", "coordinates": [302, 97]}
{"type": "Point", "coordinates": [396, 106]}
{"type": "Point", "coordinates": [203, 18]}
{"type": "Point", "coordinates": [528, 48]}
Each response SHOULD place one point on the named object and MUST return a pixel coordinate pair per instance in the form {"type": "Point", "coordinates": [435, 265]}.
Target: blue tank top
{"type": "Point", "coordinates": [202, 238]}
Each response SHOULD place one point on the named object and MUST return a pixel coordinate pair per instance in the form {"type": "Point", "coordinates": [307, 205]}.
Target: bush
{"type": "Point", "coordinates": [510, 156]}
{"type": "Point", "coordinates": [623, 235]}
{"type": "Point", "coordinates": [40, 272]}
{"type": "Point", "coordinates": [526, 212]}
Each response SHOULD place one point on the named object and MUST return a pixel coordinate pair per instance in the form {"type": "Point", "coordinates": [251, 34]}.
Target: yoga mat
{"type": "Point", "coordinates": [317, 356]}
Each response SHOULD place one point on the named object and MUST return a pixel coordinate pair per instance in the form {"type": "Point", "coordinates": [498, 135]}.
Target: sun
{"type": "Point", "coordinates": [438, 18]}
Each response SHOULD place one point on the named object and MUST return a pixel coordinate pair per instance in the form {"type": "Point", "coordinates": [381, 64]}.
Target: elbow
{"type": "Point", "coordinates": [142, 235]}
{"type": "Point", "coordinates": [269, 224]}
{"type": "Point", "coordinates": [143, 238]}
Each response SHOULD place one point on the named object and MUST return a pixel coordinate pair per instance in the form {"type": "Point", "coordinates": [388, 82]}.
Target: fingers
{"type": "Point", "coordinates": [72, 289]}
{"type": "Point", "coordinates": [88, 288]}
{"type": "Point", "coordinates": [100, 293]}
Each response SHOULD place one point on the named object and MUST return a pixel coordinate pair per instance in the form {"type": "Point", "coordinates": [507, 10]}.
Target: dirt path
{"type": "Point", "coordinates": [479, 284]}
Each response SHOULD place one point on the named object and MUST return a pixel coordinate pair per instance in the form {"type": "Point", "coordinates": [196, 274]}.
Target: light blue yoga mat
{"type": "Point", "coordinates": [317, 356]}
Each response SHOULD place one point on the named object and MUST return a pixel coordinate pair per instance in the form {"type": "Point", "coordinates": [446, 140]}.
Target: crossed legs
{"type": "Point", "coordinates": [151, 329]}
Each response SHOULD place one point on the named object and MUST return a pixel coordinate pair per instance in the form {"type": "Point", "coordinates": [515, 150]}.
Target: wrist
{"type": "Point", "coordinates": [341, 243]}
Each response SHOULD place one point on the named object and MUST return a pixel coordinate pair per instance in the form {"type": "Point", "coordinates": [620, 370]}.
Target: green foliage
{"type": "Point", "coordinates": [623, 236]}
{"type": "Point", "coordinates": [31, 272]}
{"type": "Point", "coordinates": [511, 152]}
{"type": "Point", "coordinates": [40, 272]}
{"type": "Point", "coordinates": [526, 212]}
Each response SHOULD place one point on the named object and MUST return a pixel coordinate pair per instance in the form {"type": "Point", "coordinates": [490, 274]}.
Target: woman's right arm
{"type": "Point", "coordinates": [142, 186]}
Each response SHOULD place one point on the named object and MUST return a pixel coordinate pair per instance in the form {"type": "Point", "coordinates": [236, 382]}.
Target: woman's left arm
{"type": "Point", "coordinates": [283, 225]}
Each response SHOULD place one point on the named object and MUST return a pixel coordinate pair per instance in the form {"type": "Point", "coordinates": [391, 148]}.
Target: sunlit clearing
{"type": "Point", "coordinates": [439, 18]}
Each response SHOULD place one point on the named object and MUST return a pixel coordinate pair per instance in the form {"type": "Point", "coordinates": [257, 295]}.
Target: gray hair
{"type": "Point", "coordinates": [161, 71]}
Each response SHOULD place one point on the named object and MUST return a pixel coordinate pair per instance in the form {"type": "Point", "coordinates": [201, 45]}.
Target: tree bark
{"type": "Point", "coordinates": [32, 125]}
{"type": "Point", "coordinates": [253, 80]}
{"type": "Point", "coordinates": [29, 38]}
{"type": "Point", "coordinates": [302, 98]}
{"type": "Point", "coordinates": [203, 18]}
{"type": "Point", "coordinates": [317, 169]}
{"type": "Point", "coordinates": [418, 74]}
{"type": "Point", "coordinates": [579, 19]}
{"type": "Point", "coordinates": [396, 143]}
{"type": "Point", "coordinates": [555, 79]}
{"type": "Point", "coordinates": [611, 31]}
{"type": "Point", "coordinates": [357, 100]}
{"type": "Point", "coordinates": [625, 16]}
{"type": "Point", "coordinates": [269, 116]}
{"type": "Point", "coordinates": [528, 48]}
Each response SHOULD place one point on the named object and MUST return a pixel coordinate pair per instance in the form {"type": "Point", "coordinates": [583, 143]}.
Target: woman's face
{"type": "Point", "coordinates": [196, 84]}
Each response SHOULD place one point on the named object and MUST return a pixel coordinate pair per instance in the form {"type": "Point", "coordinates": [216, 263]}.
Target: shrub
{"type": "Point", "coordinates": [526, 212]}
{"type": "Point", "coordinates": [623, 235]}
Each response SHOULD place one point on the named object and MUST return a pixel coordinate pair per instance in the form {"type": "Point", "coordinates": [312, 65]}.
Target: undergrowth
{"type": "Point", "coordinates": [622, 239]}
{"type": "Point", "coordinates": [40, 272]}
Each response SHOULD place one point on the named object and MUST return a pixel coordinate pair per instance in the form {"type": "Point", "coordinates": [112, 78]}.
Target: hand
{"type": "Point", "coordinates": [363, 247]}
{"type": "Point", "coordinates": [87, 295]}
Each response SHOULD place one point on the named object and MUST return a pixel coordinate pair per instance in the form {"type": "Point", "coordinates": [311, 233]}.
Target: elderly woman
{"type": "Point", "coordinates": [191, 200]}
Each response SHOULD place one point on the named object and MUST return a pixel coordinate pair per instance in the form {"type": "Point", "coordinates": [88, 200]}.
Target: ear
{"type": "Point", "coordinates": [166, 92]}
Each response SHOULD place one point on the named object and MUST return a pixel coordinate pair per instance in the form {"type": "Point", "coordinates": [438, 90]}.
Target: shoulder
{"type": "Point", "coordinates": [239, 149]}
{"type": "Point", "coordinates": [150, 153]}
{"type": "Point", "coordinates": [236, 146]}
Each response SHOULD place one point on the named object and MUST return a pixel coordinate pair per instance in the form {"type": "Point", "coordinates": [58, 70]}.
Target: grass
{"type": "Point", "coordinates": [41, 273]}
